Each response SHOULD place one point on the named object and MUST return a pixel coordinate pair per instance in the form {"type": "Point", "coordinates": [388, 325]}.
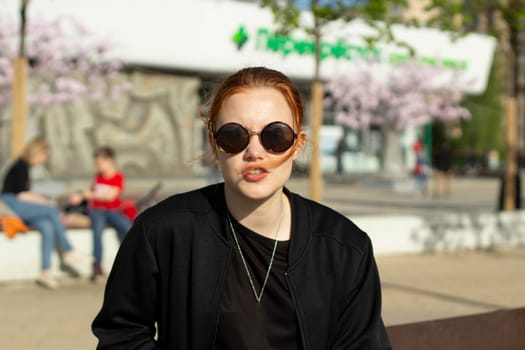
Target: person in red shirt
{"type": "Point", "coordinates": [105, 203]}
{"type": "Point", "coordinates": [420, 168]}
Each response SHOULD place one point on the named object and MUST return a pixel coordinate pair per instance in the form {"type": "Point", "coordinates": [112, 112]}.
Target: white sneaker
{"type": "Point", "coordinates": [74, 257]}
{"type": "Point", "coordinates": [46, 281]}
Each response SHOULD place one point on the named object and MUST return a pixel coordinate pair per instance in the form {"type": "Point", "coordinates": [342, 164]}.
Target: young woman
{"type": "Point", "coordinates": [36, 210]}
{"type": "Point", "coordinates": [245, 264]}
{"type": "Point", "coordinates": [104, 203]}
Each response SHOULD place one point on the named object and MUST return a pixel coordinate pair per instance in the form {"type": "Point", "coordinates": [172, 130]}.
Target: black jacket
{"type": "Point", "coordinates": [171, 268]}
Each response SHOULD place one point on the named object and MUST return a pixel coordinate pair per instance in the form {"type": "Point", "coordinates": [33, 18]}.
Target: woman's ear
{"type": "Point", "coordinates": [301, 141]}
{"type": "Point", "coordinates": [213, 146]}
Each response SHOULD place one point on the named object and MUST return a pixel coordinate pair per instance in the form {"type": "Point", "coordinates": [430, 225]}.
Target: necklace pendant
{"type": "Point", "coordinates": [258, 296]}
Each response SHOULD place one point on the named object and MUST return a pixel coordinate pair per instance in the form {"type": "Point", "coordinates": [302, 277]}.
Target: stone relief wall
{"type": "Point", "coordinates": [155, 130]}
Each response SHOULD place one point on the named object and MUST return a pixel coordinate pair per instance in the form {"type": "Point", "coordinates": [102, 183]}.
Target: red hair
{"type": "Point", "coordinates": [256, 77]}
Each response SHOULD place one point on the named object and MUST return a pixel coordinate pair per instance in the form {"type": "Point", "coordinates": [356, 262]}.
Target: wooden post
{"type": "Point", "coordinates": [316, 175]}
{"type": "Point", "coordinates": [18, 106]}
{"type": "Point", "coordinates": [511, 169]}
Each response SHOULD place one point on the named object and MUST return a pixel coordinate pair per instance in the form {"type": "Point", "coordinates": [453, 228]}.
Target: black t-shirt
{"type": "Point", "coordinates": [17, 178]}
{"type": "Point", "coordinates": [243, 322]}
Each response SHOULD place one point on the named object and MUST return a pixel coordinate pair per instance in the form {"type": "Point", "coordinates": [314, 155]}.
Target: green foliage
{"type": "Point", "coordinates": [460, 16]}
{"type": "Point", "coordinates": [513, 13]}
{"type": "Point", "coordinates": [287, 13]}
{"type": "Point", "coordinates": [484, 131]}
{"type": "Point", "coordinates": [286, 16]}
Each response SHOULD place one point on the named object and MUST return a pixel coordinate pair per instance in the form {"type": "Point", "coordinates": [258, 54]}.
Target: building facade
{"type": "Point", "coordinates": [177, 50]}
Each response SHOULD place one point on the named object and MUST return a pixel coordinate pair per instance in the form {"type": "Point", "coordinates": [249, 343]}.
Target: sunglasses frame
{"type": "Point", "coordinates": [258, 133]}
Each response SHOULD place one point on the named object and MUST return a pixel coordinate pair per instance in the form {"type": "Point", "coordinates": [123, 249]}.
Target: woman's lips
{"type": "Point", "coordinates": [254, 174]}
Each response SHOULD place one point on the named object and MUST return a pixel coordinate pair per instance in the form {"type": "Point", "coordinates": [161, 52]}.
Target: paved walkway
{"type": "Point", "coordinates": [358, 196]}
{"type": "Point", "coordinates": [423, 287]}
{"type": "Point", "coordinates": [369, 197]}
{"type": "Point", "coordinates": [415, 287]}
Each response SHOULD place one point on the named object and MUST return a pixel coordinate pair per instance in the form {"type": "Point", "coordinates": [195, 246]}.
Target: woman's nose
{"type": "Point", "coordinates": [254, 150]}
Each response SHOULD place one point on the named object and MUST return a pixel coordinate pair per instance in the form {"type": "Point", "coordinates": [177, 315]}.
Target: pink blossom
{"type": "Point", "coordinates": [66, 61]}
{"type": "Point", "coordinates": [404, 97]}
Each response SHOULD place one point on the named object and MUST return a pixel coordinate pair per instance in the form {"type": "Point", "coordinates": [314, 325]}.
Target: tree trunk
{"type": "Point", "coordinates": [19, 89]}
{"type": "Point", "coordinates": [23, 23]}
{"type": "Point", "coordinates": [392, 165]}
{"type": "Point", "coordinates": [511, 168]}
{"type": "Point", "coordinates": [511, 125]}
{"type": "Point", "coordinates": [316, 174]}
{"type": "Point", "coordinates": [19, 106]}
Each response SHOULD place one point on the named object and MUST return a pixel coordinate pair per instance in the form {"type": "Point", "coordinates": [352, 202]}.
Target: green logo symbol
{"type": "Point", "coordinates": [240, 37]}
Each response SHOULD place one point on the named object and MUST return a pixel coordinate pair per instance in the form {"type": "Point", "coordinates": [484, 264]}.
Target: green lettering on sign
{"type": "Point", "coordinates": [286, 45]}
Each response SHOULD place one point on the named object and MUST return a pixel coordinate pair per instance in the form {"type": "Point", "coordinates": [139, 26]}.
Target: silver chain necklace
{"type": "Point", "coordinates": [258, 296]}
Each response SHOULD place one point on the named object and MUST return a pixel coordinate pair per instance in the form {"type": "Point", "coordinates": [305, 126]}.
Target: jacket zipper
{"type": "Point", "coordinates": [299, 318]}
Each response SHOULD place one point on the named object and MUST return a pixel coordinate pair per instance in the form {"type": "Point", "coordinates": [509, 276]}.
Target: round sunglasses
{"type": "Point", "coordinates": [276, 137]}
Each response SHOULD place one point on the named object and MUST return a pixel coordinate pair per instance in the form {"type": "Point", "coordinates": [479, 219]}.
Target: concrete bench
{"type": "Point", "coordinates": [413, 234]}
{"type": "Point", "coordinates": [395, 234]}
{"type": "Point", "coordinates": [20, 257]}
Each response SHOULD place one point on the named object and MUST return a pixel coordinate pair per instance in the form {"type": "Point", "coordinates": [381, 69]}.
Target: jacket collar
{"type": "Point", "coordinates": [217, 211]}
{"type": "Point", "coordinates": [301, 220]}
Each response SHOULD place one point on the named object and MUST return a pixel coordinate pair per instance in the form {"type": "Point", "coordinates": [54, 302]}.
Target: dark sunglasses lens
{"type": "Point", "coordinates": [277, 137]}
{"type": "Point", "coordinates": [232, 138]}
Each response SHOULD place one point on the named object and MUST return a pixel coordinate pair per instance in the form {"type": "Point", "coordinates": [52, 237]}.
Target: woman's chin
{"type": "Point", "coordinates": [255, 191]}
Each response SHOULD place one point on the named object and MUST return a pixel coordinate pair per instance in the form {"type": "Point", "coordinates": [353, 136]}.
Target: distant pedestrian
{"type": "Point", "coordinates": [420, 168]}
{"type": "Point", "coordinates": [339, 153]}
{"type": "Point", "coordinates": [443, 165]}
{"type": "Point", "coordinates": [40, 212]}
{"type": "Point", "coordinates": [517, 187]}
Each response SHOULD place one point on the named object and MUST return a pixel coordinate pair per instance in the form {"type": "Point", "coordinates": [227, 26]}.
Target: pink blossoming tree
{"type": "Point", "coordinates": [66, 63]}
{"type": "Point", "coordinates": [402, 97]}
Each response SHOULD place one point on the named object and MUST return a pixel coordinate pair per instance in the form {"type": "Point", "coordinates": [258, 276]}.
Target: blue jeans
{"type": "Point", "coordinates": [47, 220]}
{"type": "Point", "coordinates": [421, 182]}
{"type": "Point", "coordinates": [99, 219]}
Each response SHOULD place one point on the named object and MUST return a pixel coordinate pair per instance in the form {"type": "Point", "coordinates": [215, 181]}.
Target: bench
{"type": "Point", "coordinates": [20, 257]}
{"type": "Point", "coordinates": [503, 329]}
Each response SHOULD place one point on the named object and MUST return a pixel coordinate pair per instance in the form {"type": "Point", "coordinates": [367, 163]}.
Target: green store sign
{"type": "Point", "coordinates": [266, 40]}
